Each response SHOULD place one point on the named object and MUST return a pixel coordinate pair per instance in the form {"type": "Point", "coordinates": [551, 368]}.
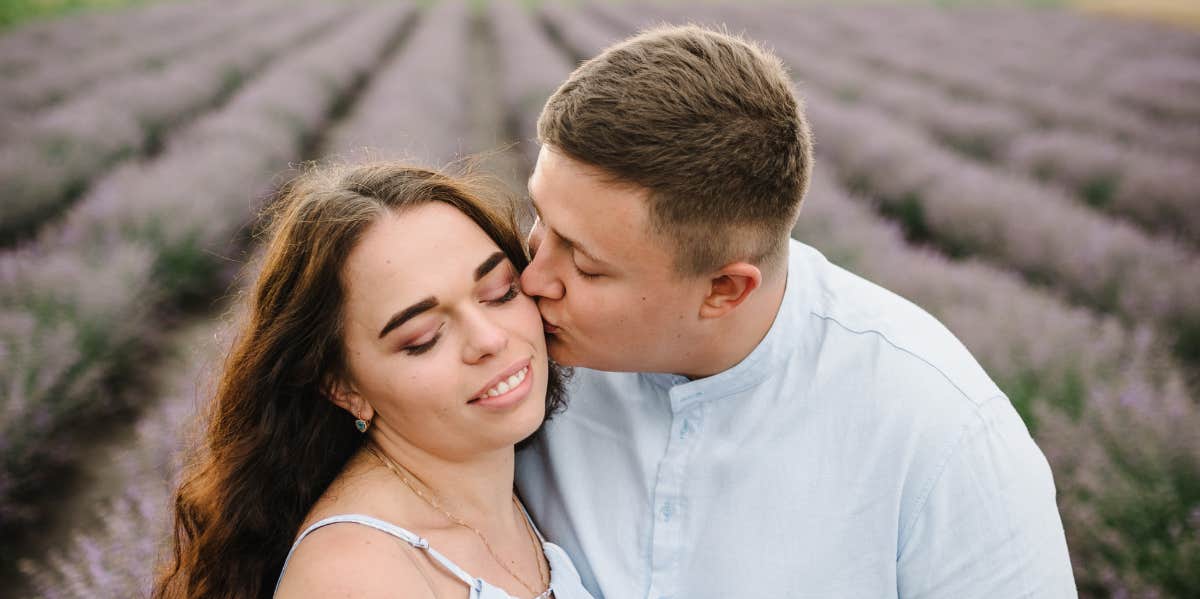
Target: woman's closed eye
{"type": "Point", "coordinates": [426, 342]}
{"type": "Point", "coordinates": [510, 293]}
{"type": "Point", "coordinates": [423, 344]}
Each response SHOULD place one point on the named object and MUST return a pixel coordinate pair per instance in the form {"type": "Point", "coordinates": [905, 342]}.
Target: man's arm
{"type": "Point", "coordinates": [987, 526]}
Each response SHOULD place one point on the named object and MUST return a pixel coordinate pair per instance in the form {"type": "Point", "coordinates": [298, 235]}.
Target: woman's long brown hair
{"type": "Point", "coordinates": [274, 442]}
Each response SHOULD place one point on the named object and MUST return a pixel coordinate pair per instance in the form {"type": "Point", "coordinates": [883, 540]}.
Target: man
{"type": "Point", "coordinates": [746, 419]}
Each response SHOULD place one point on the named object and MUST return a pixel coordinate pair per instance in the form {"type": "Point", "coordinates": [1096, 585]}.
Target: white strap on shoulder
{"type": "Point", "coordinates": [400, 533]}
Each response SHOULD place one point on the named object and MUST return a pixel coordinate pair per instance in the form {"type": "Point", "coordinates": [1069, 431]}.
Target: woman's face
{"type": "Point", "coordinates": [441, 344]}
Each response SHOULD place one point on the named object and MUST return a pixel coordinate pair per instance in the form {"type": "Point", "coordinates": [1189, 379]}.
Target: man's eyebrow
{"type": "Point", "coordinates": [487, 265]}
{"type": "Point", "coordinates": [407, 314]}
{"type": "Point", "coordinates": [567, 241]}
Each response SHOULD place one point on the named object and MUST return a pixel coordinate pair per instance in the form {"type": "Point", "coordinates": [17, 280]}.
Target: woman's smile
{"type": "Point", "coordinates": [506, 389]}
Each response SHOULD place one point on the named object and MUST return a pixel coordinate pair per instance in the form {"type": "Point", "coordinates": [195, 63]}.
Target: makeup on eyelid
{"type": "Point", "coordinates": [413, 348]}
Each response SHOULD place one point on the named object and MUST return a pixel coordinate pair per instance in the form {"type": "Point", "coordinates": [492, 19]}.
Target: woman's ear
{"type": "Point", "coordinates": [344, 395]}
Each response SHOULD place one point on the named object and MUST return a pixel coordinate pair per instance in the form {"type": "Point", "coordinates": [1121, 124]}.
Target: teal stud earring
{"type": "Point", "coordinates": [361, 425]}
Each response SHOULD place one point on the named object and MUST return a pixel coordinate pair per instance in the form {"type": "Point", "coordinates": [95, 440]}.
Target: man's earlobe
{"type": "Point", "coordinates": [729, 287]}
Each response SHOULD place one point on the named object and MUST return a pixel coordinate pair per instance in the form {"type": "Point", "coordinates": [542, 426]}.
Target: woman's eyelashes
{"type": "Point", "coordinates": [420, 348]}
{"type": "Point", "coordinates": [510, 293]}
{"type": "Point", "coordinates": [514, 289]}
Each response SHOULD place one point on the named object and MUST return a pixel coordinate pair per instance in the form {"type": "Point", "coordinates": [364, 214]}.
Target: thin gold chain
{"type": "Point", "coordinates": [433, 503]}
{"type": "Point", "coordinates": [538, 554]}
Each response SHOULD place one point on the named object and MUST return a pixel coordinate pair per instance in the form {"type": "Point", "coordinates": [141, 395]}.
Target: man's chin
{"type": "Point", "coordinates": [560, 353]}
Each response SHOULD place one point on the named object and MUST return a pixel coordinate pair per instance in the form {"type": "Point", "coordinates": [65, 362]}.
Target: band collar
{"type": "Point", "coordinates": [783, 339]}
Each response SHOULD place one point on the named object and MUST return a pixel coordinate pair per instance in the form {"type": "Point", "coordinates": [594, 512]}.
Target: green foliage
{"type": "Point", "coordinates": [1098, 191]}
{"type": "Point", "coordinates": [16, 12]}
{"type": "Point", "coordinates": [1066, 394]}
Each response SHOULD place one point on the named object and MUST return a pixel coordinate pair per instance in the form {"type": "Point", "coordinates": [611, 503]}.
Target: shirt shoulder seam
{"type": "Point", "coordinates": [905, 350]}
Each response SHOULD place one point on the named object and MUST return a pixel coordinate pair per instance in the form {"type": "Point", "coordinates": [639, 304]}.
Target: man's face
{"type": "Point", "coordinates": [605, 285]}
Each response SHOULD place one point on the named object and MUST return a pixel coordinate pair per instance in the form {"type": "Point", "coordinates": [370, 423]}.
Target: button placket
{"type": "Point", "coordinates": [670, 503]}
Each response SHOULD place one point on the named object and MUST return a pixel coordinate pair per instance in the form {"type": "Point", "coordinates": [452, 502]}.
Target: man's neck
{"type": "Point", "coordinates": [736, 335]}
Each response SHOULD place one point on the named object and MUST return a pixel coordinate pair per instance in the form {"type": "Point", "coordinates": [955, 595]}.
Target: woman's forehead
{"type": "Point", "coordinates": [432, 249]}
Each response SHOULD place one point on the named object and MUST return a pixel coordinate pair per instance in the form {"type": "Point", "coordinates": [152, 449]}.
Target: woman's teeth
{"type": "Point", "coordinates": [506, 385]}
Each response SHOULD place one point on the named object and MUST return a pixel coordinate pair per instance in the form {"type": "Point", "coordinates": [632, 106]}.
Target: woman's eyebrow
{"type": "Point", "coordinates": [487, 265]}
{"type": "Point", "coordinates": [408, 313]}
{"type": "Point", "coordinates": [431, 302]}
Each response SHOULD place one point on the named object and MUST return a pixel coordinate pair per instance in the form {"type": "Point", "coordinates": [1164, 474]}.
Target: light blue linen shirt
{"type": "Point", "coordinates": [858, 451]}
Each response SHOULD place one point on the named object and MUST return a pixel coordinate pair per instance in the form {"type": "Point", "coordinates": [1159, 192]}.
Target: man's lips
{"type": "Point", "coordinates": [549, 328]}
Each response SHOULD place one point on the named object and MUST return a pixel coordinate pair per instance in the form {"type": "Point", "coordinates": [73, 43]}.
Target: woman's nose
{"type": "Point", "coordinates": [485, 337]}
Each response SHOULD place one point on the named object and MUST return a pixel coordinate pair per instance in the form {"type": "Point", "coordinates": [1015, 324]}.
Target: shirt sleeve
{"type": "Point", "coordinates": [988, 526]}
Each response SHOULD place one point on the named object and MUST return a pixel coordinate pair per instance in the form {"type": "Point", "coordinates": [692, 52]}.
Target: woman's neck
{"type": "Point", "coordinates": [478, 489]}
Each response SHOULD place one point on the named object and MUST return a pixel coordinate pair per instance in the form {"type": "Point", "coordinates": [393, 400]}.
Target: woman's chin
{"type": "Point", "coordinates": [512, 422]}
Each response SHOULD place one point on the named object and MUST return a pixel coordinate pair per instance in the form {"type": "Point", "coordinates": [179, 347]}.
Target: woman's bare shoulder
{"type": "Point", "coordinates": [351, 560]}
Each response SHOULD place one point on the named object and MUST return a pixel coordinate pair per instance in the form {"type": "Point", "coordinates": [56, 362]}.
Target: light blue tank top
{"type": "Point", "coordinates": [564, 579]}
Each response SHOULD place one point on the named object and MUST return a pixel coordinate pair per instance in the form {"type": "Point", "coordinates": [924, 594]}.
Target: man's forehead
{"type": "Point", "coordinates": [606, 220]}
{"type": "Point", "coordinates": [570, 238]}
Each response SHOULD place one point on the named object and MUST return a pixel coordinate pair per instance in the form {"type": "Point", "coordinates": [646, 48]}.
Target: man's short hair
{"type": "Point", "coordinates": [708, 123]}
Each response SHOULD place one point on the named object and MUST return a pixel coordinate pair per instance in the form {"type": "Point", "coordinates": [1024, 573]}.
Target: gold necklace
{"type": "Point", "coordinates": [433, 503]}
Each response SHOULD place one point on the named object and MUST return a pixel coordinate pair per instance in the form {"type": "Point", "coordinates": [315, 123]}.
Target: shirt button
{"type": "Point", "coordinates": [667, 511]}
{"type": "Point", "coordinates": [685, 431]}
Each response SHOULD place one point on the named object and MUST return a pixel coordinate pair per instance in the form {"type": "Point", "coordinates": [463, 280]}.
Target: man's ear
{"type": "Point", "coordinates": [344, 395]}
{"type": "Point", "coordinates": [729, 287]}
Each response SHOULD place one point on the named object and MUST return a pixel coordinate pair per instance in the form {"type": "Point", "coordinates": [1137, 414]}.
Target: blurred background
{"type": "Point", "coordinates": [1029, 172]}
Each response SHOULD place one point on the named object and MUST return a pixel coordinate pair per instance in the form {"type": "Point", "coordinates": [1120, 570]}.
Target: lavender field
{"type": "Point", "coordinates": [1031, 177]}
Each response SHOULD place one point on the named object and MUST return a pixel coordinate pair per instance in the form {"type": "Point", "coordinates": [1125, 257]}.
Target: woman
{"type": "Point", "coordinates": [364, 426]}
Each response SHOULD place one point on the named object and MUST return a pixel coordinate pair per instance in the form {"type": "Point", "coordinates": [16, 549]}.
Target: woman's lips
{"type": "Point", "coordinates": [512, 396]}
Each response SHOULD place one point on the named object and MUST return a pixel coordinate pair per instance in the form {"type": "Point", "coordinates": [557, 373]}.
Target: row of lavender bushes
{"type": "Point", "coordinates": [415, 108]}
{"type": "Point", "coordinates": [43, 44]}
{"type": "Point", "coordinates": [1152, 188]}
{"type": "Point", "coordinates": [1105, 398]}
{"type": "Point", "coordinates": [866, 39]}
{"type": "Point", "coordinates": [523, 90]}
{"type": "Point", "coordinates": [80, 307]}
{"type": "Point", "coordinates": [135, 50]}
{"type": "Point", "coordinates": [1145, 67]}
{"type": "Point", "coordinates": [381, 121]}
{"type": "Point", "coordinates": [118, 557]}
{"type": "Point", "coordinates": [969, 209]}
{"type": "Point", "coordinates": [53, 158]}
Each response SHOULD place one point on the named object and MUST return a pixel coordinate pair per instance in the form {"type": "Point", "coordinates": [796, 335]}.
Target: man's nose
{"type": "Point", "coordinates": [539, 278]}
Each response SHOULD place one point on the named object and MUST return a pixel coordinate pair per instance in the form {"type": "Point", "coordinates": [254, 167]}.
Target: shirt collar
{"type": "Point", "coordinates": [785, 336]}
